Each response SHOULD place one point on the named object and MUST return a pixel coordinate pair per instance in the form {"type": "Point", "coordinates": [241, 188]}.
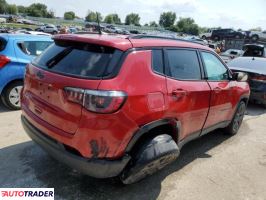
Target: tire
{"type": "Point", "coordinates": [236, 122]}
{"type": "Point", "coordinates": [254, 38]}
{"type": "Point", "coordinates": [203, 37]}
{"type": "Point", "coordinates": [54, 32]}
{"type": "Point", "coordinates": [153, 155]}
{"type": "Point", "coordinates": [11, 95]}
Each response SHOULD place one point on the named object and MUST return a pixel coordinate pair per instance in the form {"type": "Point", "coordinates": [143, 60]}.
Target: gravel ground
{"type": "Point", "coordinates": [213, 167]}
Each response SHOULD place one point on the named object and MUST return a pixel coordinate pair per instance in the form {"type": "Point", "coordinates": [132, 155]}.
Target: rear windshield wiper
{"type": "Point", "coordinates": [56, 59]}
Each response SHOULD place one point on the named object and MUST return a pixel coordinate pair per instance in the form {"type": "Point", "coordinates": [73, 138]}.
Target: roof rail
{"type": "Point", "coordinates": [160, 37]}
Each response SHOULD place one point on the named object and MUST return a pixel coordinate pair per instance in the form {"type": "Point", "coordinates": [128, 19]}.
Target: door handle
{"type": "Point", "coordinates": [179, 93]}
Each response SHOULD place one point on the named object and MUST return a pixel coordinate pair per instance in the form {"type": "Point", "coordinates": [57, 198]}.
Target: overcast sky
{"type": "Point", "coordinates": [243, 14]}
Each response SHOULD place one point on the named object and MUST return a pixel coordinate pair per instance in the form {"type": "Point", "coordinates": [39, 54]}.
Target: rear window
{"type": "Point", "coordinates": [33, 48]}
{"type": "Point", "coordinates": [79, 59]}
{"type": "Point", "coordinates": [253, 51]}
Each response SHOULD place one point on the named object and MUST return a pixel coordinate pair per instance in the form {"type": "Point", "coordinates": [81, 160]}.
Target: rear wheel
{"type": "Point", "coordinates": [153, 155]}
{"type": "Point", "coordinates": [11, 95]}
{"type": "Point", "coordinates": [236, 122]}
{"type": "Point", "coordinates": [203, 37]}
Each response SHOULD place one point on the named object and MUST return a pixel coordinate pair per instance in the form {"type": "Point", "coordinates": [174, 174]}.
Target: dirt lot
{"type": "Point", "coordinates": [213, 167]}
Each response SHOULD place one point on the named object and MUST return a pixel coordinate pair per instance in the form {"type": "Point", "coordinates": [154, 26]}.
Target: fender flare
{"type": "Point", "coordinates": [144, 130]}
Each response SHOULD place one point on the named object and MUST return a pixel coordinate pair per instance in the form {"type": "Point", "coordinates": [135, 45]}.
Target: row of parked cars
{"type": "Point", "coordinates": [220, 34]}
{"type": "Point", "coordinates": [19, 49]}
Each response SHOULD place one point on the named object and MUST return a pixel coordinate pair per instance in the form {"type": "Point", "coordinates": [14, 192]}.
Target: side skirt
{"type": "Point", "coordinates": [205, 131]}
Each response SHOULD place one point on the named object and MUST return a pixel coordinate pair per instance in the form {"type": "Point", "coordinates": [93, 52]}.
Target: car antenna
{"type": "Point", "coordinates": [98, 21]}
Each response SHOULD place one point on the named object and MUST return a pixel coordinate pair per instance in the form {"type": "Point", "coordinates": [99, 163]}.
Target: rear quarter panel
{"type": "Point", "coordinates": [145, 103]}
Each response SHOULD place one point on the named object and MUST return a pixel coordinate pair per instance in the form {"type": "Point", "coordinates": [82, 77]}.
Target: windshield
{"type": "Point", "coordinates": [253, 51]}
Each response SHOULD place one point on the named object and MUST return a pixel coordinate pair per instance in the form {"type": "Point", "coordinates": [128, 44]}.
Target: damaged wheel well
{"type": "Point", "coordinates": [170, 128]}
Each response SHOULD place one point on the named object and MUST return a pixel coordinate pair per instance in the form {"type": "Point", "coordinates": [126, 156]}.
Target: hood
{"type": "Point", "coordinates": [249, 64]}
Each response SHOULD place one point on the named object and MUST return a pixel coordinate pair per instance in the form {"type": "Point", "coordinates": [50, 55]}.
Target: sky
{"type": "Point", "coordinates": [236, 14]}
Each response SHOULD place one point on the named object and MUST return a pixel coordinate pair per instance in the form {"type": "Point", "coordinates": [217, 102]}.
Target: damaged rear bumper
{"type": "Point", "coordinates": [98, 168]}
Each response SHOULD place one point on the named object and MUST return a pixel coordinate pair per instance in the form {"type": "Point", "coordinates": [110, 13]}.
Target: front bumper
{"type": "Point", "coordinates": [98, 168]}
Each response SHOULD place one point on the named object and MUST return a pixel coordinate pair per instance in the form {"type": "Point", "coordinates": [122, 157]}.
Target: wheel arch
{"type": "Point", "coordinates": [245, 99]}
{"type": "Point", "coordinates": [163, 126]}
{"type": "Point", "coordinates": [9, 83]}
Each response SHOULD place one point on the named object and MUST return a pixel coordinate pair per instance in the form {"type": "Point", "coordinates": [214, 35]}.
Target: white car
{"type": "Point", "coordinates": [31, 32]}
{"type": "Point", "coordinates": [256, 35]}
{"type": "Point", "coordinates": [230, 54]}
{"type": "Point", "coordinates": [206, 35]}
{"type": "Point", "coordinates": [196, 39]}
{"type": "Point", "coordinates": [49, 29]}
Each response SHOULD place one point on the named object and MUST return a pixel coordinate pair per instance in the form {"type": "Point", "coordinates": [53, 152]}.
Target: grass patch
{"type": "Point", "coordinates": [18, 26]}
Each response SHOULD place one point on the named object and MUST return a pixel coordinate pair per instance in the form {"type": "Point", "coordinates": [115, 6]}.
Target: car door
{"type": "Point", "coordinates": [218, 77]}
{"type": "Point", "coordinates": [187, 93]}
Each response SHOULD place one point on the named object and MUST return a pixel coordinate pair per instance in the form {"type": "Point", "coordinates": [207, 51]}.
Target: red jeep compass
{"type": "Point", "coordinates": [124, 106]}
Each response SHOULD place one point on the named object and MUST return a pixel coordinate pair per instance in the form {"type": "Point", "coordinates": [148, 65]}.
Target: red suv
{"type": "Point", "coordinates": [125, 105]}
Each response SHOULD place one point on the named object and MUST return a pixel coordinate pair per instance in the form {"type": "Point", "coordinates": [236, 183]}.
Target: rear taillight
{"type": "Point", "coordinates": [259, 78]}
{"type": "Point", "coordinates": [3, 60]}
{"type": "Point", "coordinates": [98, 101]}
{"type": "Point", "coordinates": [75, 95]}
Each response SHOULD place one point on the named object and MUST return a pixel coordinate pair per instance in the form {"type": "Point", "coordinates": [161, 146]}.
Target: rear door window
{"type": "Point", "coordinates": [157, 61]}
{"type": "Point", "coordinates": [183, 64]}
{"type": "Point", "coordinates": [33, 48]}
{"type": "Point", "coordinates": [79, 59]}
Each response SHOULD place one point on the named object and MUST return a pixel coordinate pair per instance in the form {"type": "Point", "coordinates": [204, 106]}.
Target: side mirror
{"type": "Point", "coordinates": [240, 76]}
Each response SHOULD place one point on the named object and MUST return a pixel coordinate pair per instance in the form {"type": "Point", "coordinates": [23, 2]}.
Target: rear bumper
{"type": "Point", "coordinates": [98, 168]}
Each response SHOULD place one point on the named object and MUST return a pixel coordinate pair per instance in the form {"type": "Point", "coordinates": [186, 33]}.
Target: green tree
{"type": "Point", "coordinates": [22, 9]}
{"type": "Point", "coordinates": [203, 29]}
{"type": "Point", "coordinates": [12, 9]}
{"type": "Point", "coordinates": [37, 10]}
{"type": "Point", "coordinates": [3, 6]}
{"type": "Point", "coordinates": [112, 19]}
{"type": "Point", "coordinates": [50, 14]}
{"type": "Point", "coordinates": [167, 19]}
{"type": "Point", "coordinates": [153, 24]}
{"type": "Point", "coordinates": [132, 19]}
{"type": "Point", "coordinates": [92, 17]}
{"type": "Point", "coordinates": [187, 25]}
{"type": "Point", "coordinates": [69, 15]}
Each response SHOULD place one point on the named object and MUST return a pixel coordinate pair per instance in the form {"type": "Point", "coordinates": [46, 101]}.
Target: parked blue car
{"type": "Point", "coordinates": [16, 51]}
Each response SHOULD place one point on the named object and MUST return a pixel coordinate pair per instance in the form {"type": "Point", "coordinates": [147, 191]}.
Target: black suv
{"type": "Point", "coordinates": [226, 33]}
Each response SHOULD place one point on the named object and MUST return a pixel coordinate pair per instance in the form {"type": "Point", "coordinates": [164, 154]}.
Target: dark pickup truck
{"type": "Point", "coordinates": [227, 33]}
